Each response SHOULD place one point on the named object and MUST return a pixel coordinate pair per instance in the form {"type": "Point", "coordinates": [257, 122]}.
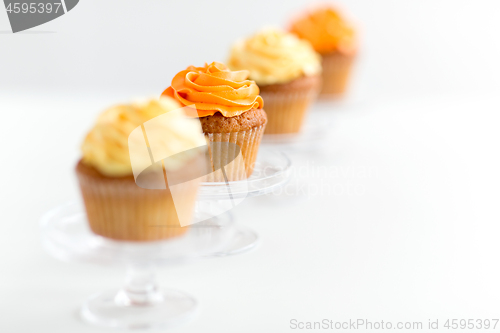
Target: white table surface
{"type": "Point", "coordinates": [401, 225]}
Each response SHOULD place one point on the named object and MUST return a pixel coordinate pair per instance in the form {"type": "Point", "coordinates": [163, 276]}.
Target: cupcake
{"type": "Point", "coordinates": [231, 113]}
{"type": "Point", "coordinates": [288, 72]}
{"type": "Point", "coordinates": [335, 40]}
{"type": "Point", "coordinates": [125, 190]}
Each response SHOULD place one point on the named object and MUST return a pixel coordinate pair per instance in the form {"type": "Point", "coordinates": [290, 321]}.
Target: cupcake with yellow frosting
{"type": "Point", "coordinates": [123, 175]}
{"type": "Point", "coordinates": [231, 113]}
{"type": "Point", "coordinates": [335, 39]}
{"type": "Point", "coordinates": [287, 71]}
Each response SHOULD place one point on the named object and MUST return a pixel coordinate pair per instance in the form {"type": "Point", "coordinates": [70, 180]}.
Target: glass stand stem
{"type": "Point", "coordinates": [140, 287]}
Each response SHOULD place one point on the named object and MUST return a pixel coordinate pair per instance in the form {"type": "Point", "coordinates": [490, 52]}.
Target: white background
{"type": "Point", "coordinates": [418, 240]}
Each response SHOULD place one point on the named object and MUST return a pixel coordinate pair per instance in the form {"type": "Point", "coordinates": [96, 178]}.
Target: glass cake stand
{"type": "Point", "coordinates": [140, 303]}
{"type": "Point", "coordinates": [272, 170]}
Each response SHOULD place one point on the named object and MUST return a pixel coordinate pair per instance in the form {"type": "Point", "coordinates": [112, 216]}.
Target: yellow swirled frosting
{"type": "Point", "coordinates": [106, 146]}
{"type": "Point", "coordinates": [274, 56]}
{"type": "Point", "coordinates": [214, 88]}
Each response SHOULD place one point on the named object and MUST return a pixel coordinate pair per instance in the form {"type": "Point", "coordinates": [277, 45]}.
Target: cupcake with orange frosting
{"type": "Point", "coordinates": [288, 72]}
{"type": "Point", "coordinates": [124, 169]}
{"type": "Point", "coordinates": [231, 113]}
{"type": "Point", "coordinates": [335, 39]}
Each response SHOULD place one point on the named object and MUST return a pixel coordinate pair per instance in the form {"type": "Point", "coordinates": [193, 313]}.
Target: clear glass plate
{"type": "Point", "coordinates": [67, 236]}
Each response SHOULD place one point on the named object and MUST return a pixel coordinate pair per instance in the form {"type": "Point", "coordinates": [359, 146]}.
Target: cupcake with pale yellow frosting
{"type": "Point", "coordinates": [124, 170]}
{"type": "Point", "coordinates": [231, 113]}
{"type": "Point", "coordinates": [287, 71]}
{"type": "Point", "coordinates": [335, 39]}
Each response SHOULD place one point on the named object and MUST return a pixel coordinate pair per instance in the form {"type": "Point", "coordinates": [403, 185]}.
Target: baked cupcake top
{"type": "Point", "coordinates": [214, 88]}
{"type": "Point", "coordinates": [326, 30]}
{"type": "Point", "coordinates": [106, 146]}
{"type": "Point", "coordinates": [274, 56]}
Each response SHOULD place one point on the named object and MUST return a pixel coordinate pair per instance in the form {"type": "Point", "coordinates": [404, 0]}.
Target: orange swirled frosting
{"type": "Point", "coordinates": [326, 30]}
{"type": "Point", "coordinates": [214, 88]}
{"type": "Point", "coordinates": [106, 146]}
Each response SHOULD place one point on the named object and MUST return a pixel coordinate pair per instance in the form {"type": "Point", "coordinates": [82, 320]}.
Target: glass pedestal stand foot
{"type": "Point", "coordinates": [140, 304]}
{"type": "Point", "coordinates": [272, 170]}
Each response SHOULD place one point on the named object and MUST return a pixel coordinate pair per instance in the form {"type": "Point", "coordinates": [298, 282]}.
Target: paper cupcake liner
{"type": "Point", "coordinates": [286, 111]}
{"type": "Point", "coordinates": [336, 74]}
{"type": "Point", "coordinates": [222, 149]}
{"type": "Point", "coordinates": [121, 210]}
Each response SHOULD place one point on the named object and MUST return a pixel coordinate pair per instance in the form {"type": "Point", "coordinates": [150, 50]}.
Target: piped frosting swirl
{"type": "Point", "coordinates": [274, 56]}
{"type": "Point", "coordinates": [326, 30]}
